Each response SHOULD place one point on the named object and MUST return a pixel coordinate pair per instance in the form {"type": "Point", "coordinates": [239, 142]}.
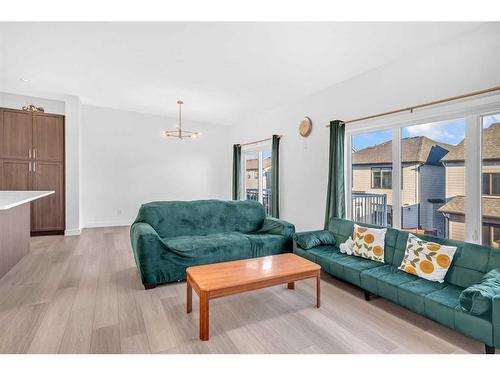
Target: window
{"type": "Point", "coordinates": [433, 178]}
{"type": "Point", "coordinates": [381, 178]}
{"type": "Point", "coordinates": [491, 183]}
{"type": "Point", "coordinates": [490, 200]}
{"type": "Point", "coordinates": [435, 172]}
{"type": "Point", "coordinates": [257, 171]}
{"type": "Point", "coordinates": [371, 172]}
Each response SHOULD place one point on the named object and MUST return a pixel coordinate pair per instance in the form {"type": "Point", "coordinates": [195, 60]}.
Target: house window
{"type": "Point", "coordinates": [491, 183]}
{"type": "Point", "coordinates": [433, 178]}
{"type": "Point", "coordinates": [381, 178]}
{"type": "Point", "coordinates": [371, 172]}
{"type": "Point", "coordinates": [258, 170]}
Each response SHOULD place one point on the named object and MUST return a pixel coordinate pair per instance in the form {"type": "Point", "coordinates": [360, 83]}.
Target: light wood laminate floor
{"type": "Point", "coordinates": [82, 294]}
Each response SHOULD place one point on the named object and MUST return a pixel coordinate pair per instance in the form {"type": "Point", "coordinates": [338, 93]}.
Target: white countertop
{"type": "Point", "coordinates": [10, 199]}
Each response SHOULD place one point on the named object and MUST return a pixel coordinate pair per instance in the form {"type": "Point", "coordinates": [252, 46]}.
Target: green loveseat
{"type": "Point", "coordinates": [439, 302]}
{"type": "Point", "coordinates": [168, 237]}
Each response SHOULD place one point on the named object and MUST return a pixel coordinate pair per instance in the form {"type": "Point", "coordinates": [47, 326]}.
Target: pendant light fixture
{"type": "Point", "coordinates": [179, 133]}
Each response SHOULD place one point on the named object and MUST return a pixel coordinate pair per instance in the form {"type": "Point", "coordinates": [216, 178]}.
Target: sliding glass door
{"type": "Point", "coordinates": [257, 170]}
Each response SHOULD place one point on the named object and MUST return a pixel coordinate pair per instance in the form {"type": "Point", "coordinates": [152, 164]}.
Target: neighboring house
{"type": "Point", "coordinates": [423, 183]}
{"type": "Point", "coordinates": [454, 209]}
{"type": "Point", "coordinates": [252, 174]}
{"type": "Point", "coordinates": [252, 181]}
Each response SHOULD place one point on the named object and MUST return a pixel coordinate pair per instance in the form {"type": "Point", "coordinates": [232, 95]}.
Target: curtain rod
{"type": "Point", "coordinates": [262, 140]}
{"type": "Point", "coordinates": [411, 109]}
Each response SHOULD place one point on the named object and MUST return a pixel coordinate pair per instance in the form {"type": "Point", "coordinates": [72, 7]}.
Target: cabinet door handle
{"type": "Point", "coordinates": [29, 153]}
{"type": "Point", "coordinates": [34, 153]}
{"type": "Point", "coordinates": [30, 166]}
{"type": "Point", "coordinates": [34, 166]}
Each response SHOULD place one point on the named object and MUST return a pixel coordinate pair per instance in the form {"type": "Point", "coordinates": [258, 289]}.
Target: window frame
{"type": "Point", "coordinates": [472, 110]}
{"type": "Point", "coordinates": [381, 170]}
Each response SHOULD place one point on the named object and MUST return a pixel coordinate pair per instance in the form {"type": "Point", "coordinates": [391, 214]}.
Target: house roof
{"type": "Point", "coordinates": [456, 205]}
{"type": "Point", "coordinates": [491, 145]}
{"type": "Point", "coordinates": [415, 149]}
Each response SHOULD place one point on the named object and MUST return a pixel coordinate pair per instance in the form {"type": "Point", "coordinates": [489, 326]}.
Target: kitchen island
{"type": "Point", "coordinates": [15, 225]}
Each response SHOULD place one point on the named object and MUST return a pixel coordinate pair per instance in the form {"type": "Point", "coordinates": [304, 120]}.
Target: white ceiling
{"type": "Point", "coordinates": [222, 71]}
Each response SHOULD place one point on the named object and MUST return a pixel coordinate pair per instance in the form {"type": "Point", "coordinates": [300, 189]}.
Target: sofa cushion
{"type": "Point", "coordinates": [218, 247]}
{"type": "Point", "coordinates": [411, 295]}
{"type": "Point", "coordinates": [426, 259]}
{"type": "Point", "coordinates": [384, 280]}
{"type": "Point", "coordinates": [349, 268]}
{"type": "Point", "coordinates": [308, 240]}
{"type": "Point", "coordinates": [323, 255]}
{"type": "Point", "coordinates": [477, 298]}
{"type": "Point", "coordinates": [199, 218]}
{"type": "Point", "coordinates": [369, 243]}
{"type": "Point", "coordinates": [343, 229]}
{"type": "Point", "coordinates": [266, 244]}
{"type": "Point", "coordinates": [441, 304]}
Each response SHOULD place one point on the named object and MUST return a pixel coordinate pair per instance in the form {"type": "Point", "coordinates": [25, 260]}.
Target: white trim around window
{"type": "Point", "coordinates": [472, 111]}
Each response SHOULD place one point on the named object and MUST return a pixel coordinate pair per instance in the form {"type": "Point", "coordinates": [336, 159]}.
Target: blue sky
{"type": "Point", "coordinates": [448, 131]}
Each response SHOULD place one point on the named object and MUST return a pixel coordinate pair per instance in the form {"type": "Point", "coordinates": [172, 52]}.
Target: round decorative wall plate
{"type": "Point", "coordinates": [305, 127]}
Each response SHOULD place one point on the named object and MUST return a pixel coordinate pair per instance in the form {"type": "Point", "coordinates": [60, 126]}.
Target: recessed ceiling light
{"type": "Point", "coordinates": [24, 80]}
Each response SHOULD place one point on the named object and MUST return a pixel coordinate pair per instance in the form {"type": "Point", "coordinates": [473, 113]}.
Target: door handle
{"type": "Point", "coordinates": [29, 153]}
{"type": "Point", "coordinates": [34, 166]}
{"type": "Point", "coordinates": [34, 153]}
{"type": "Point", "coordinates": [30, 166]}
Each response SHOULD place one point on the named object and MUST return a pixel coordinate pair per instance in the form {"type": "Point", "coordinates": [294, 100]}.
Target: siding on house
{"type": "Point", "coordinates": [456, 227]}
{"type": "Point", "coordinates": [432, 187]}
{"type": "Point", "coordinates": [455, 179]}
{"type": "Point", "coordinates": [361, 182]}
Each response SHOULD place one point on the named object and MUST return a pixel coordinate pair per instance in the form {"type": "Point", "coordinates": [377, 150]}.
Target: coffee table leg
{"type": "Point", "coordinates": [204, 307]}
{"type": "Point", "coordinates": [189, 297]}
{"type": "Point", "coordinates": [318, 290]}
{"type": "Point", "coordinates": [291, 285]}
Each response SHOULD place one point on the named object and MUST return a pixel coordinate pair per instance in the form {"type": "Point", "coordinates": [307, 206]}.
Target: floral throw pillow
{"type": "Point", "coordinates": [428, 260]}
{"type": "Point", "coordinates": [368, 243]}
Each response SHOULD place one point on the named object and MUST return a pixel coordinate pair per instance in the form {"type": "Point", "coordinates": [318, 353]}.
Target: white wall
{"type": "Point", "coordinates": [9, 100]}
{"type": "Point", "coordinates": [463, 65]}
{"type": "Point", "coordinates": [126, 162]}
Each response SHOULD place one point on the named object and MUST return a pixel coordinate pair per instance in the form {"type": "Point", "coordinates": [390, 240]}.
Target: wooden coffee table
{"type": "Point", "coordinates": [223, 279]}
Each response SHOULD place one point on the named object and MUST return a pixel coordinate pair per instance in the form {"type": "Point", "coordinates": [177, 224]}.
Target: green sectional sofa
{"type": "Point", "coordinates": [168, 237]}
{"type": "Point", "coordinates": [439, 302]}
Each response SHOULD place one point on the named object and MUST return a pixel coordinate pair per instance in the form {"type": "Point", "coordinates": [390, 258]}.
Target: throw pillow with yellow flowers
{"type": "Point", "coordinates": [368, 243]}
{"type": "Point", "coordinates": [428, 260]}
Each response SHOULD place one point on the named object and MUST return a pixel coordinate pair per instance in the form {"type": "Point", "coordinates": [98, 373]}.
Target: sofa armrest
{"type": "Point", "coordinates": [146, 246]}
{"type": "Point", "coordinates": [495, 320]}
{"type": "Point", "coordinates": [477, 299]}
{"type": "Point", "coordinates": [310, 239]}
{"type": "Point", "coordinates": [272, 225]}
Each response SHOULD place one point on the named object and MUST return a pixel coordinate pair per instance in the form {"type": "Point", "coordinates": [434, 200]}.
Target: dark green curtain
{"type": "Point", "coordinates": [236, 171]}
{"type": "Point", "coordinates": [335, 195]}
{"type": "Point", "coordinates": [275, 177]}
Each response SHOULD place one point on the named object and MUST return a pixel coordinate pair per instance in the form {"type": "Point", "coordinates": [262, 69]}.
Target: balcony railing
{"type": "Point", "coordinates": [253, 195]}
{"type": "Point", "coordinates": [370, 208]}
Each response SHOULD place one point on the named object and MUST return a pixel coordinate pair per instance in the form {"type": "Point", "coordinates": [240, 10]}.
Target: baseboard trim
{"type": "Point", "coordinates": [104, 224]}
{"type": "Point", "coordinates": [72, 232]}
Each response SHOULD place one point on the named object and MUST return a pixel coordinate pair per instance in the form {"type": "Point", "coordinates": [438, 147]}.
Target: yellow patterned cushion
{"type": "Point", "coordinates": [368, 243]}
{"type": "Point", "coordinates": [428, 260]}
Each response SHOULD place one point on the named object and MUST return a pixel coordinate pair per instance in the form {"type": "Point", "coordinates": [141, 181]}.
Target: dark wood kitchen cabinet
{"type": "Point", "coordinates": [32, 158]}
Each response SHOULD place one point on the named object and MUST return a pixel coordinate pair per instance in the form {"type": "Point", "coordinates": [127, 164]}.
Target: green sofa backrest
{"type": "Point", "coordinates": [199, 218]}
{"type": "Point", "coordinates": [470, 263]}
